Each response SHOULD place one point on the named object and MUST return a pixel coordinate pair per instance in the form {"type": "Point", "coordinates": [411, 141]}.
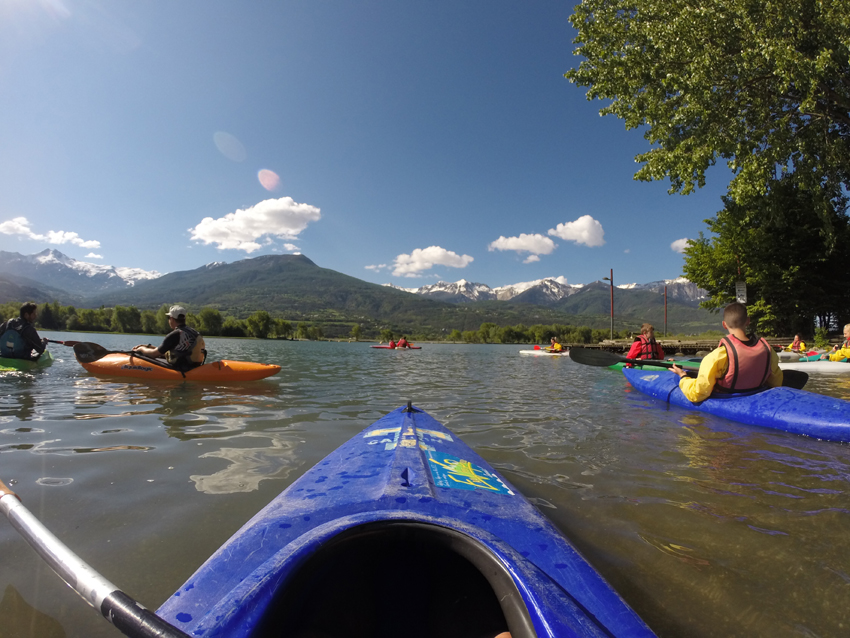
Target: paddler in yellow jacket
{"type": "Point", "coordinates": [798, 345]}
{"type": "Point", "coordinates": [739, 363]}
{"type": "Point", "coordinates": [842, 353]}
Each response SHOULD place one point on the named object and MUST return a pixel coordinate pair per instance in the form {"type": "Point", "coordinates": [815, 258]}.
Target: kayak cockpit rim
{"type": "Point", "coordinates": [417, 564]}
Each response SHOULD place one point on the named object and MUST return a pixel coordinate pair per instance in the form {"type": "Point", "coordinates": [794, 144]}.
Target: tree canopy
{"type": "Point", "coordinates": [762, 85]}
{"type": "Point", "coordinates": [794, 262]}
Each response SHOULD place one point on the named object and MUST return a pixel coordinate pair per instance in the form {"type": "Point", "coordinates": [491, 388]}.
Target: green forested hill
{"type": "Point", "coordinates": [294, 288]}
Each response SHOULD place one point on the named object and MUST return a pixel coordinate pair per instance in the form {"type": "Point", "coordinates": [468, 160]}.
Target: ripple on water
{"type": "Point", "coordinates": [54, 482]}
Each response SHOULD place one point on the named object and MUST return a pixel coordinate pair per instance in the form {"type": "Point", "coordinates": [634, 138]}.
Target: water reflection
{"type": "Point", "coordinates": [248, 465]}
{"type": "Point", "coordinates": [696, 520]}
{"type": "Point", "coordinates": [21, 620]}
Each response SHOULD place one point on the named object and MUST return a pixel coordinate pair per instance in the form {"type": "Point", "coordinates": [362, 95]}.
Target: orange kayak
{"type": "Point", "coordinates": [122, 365]}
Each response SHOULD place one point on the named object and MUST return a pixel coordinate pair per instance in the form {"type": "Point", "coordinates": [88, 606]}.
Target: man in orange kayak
{"type": "Point", "coordinates": [183, 347]}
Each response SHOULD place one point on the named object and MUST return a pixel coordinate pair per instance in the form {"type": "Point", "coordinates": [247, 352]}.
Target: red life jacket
{"type": "Point", "coordinates": [749, 365]}
{"type": "Point", "coordinates": [649, 348]}
{"type": "Point", "coordinates": [795, 346]}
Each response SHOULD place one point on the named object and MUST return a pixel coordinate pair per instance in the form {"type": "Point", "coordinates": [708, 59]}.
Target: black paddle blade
{"type": "Point", "coordinates": [794, 379]}
{"type": "Point", "coordinates": [89, 352]}
{"type": "Point", "coordinates": [590, 357]}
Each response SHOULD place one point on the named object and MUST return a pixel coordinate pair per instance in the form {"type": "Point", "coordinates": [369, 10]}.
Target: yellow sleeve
{"type": "Point", "coordinates": [843, 353]}
{"type": "Point", "coordinates": [775, 378]}
{"type": "Point", "coordinates": [712, 367]}
{"type": "Point", "coordinates": [803, 347]}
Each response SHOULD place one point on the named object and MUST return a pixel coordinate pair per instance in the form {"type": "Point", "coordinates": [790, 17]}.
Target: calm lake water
{"type": "Point", "coordinates": [705, 527]}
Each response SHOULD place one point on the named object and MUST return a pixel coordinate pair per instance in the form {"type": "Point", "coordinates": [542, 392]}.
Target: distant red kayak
{"type": "Point", "coordinates": [388, 348]}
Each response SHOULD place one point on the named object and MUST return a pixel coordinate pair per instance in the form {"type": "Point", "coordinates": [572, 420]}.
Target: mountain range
{"type": "Point", "coordinates": [295, 288]}
{"type": "Point", "coordinates": [546, 291]}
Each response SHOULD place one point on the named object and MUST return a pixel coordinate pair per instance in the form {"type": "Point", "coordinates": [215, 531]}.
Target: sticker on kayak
{"type": "Point", "coordinates": [411, 438]}
{"type": "Point", "coordinates": [450, 471]}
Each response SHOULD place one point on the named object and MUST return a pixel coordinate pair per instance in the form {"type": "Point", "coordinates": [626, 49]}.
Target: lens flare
{"type": "Point", "coordinates": [269, 179]}
{"type": "Point", "coordinates": [229, 146]}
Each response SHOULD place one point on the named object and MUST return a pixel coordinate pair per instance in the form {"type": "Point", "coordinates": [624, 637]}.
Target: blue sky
{"type": "Point", "coordinates": [403, 142]}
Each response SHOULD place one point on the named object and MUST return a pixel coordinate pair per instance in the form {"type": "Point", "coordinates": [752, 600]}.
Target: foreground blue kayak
{"type": "Point", "coordinates": [783, 408]}
{"type": "Point", "coordinates": [402, 531]}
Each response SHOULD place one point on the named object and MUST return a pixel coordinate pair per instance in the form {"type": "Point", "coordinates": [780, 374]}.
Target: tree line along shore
{"type": "Point", "coordinates": [261, 325]}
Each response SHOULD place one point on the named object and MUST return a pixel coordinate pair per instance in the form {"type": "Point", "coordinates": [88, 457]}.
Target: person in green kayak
{"type": "Point", "coordinates": [18, 336]}
{"type": "Point", "coordinates": [645, 346]}
{"type": "Point", "coordinates": [183, 347]}
{"type": "Point", "coordinates": [738, 364]}
{"type": "Point", "coordinates": [840, 353]}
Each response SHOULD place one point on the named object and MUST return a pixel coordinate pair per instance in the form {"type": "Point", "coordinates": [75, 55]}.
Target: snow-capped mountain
{"type": "Point", "coordinates": [57, 270]}
{"type": "Point", "coordinates": [544, 292]}
{"type": "Point", "coordinates": [680, 289]}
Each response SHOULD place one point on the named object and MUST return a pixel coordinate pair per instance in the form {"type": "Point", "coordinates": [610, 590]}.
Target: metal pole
{"type": "Point", "coordinates": [612, 304]}
{"type": "Point", "coordinates": [665, 311]}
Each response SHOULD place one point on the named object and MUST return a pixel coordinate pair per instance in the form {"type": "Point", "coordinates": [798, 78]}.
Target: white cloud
{"type": "Point", "coordinates": [679, 245]}
{"type": "Point", "coordinates": [283, 218]}
{"type": "Point", "coordinates": [377, 267]}
{"type": "Point", "coordinates": [627, 250]}
{"type": "Point", "coordinates": [426, 258]}
{"type": "Point", "coordinates": [21, 226]}
{"type": "Point", "coordinates": [535, 244]}
{"type": "Point", "coordinates": [585, 230]}
{"type": "Point", "coordinates": [93, 256]}
{"type": "Point", "coordinates": [531, 259]}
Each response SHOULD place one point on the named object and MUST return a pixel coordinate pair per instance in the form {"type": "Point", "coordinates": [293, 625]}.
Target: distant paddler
{"type": "Point", "coordinates": [645, 346]}
{"type": "Point", "coordinates": [798, 345]}
{"type": "Point", "coordinates": [183, 347]}
{"type": "Point", "coordinates": [840, 353]}
{"type": "Point", "coordinates": [18, 336]}
{"type": "Point", "coordinates": [554, 345]}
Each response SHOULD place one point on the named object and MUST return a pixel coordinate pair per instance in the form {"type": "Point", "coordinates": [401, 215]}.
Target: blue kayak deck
{"type": "Point", "coordinates": [786, 409]}
{"type": "Point", "coordinates": [403, 530]}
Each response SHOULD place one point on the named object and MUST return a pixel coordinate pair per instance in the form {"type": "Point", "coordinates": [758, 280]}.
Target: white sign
{"type": "Point", "coordinates": [741, 291]}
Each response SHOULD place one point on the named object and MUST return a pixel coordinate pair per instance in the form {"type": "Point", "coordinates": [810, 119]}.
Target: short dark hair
{"type": "Point", "coordinates": [735, 315]}
{"type": "Point", "coordinates": [28, 308]}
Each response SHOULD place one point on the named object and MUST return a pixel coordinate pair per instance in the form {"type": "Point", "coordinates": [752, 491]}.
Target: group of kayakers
{"type": "Point", "coordinates": [183, 348]}
{"type": "Point", "coordinates": [402, 343]}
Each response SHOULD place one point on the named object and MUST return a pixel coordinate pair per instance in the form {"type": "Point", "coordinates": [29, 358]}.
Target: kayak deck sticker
{"type": "Point", "coordinates": [451, 471]}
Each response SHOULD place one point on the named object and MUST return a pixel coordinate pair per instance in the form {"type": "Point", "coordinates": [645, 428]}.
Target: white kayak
{"type": "Point", "coordinates": [826, 366]}
{"type": "Point", "coordinates": [545, 353]}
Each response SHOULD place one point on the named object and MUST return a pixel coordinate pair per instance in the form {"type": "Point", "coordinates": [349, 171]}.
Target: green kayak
{"type": "Point", "coordinates": [687, 365]}
{"type": "Point", "coordinates": [43, 361]}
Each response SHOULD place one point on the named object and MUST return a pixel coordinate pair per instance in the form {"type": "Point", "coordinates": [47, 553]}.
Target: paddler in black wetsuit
{"type": "Point", "coordinates": [18, 336]}
{"type": "Point", "coordinates": [183, 347]}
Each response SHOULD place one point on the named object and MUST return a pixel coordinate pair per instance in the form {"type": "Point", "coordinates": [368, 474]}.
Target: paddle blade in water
{"type": "Point", "coordinates": [89, 352]}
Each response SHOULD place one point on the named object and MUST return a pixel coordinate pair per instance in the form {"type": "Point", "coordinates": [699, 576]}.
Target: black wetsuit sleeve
{"type": "Point", "coordinates": [30, 335]}
{"type": "Point", "coordinates": [172, 339]}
